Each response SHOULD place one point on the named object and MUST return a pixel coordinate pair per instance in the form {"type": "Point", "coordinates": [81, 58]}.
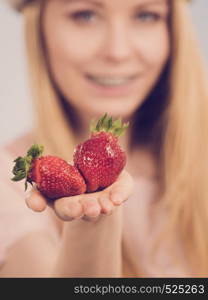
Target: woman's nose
{"type": "Point", "coordinates": [117, 44]}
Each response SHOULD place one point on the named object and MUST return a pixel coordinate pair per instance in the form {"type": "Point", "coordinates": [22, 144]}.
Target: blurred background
{"type": "Point", "coordinates": [15, 105]}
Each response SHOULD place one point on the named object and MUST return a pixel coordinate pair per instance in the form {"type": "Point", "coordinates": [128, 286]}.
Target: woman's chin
{"type": "Point", "coordinates": [114, 112]}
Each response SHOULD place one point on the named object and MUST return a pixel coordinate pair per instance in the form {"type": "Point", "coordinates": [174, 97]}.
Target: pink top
{"type": "Point", "coordinates": [140, 228]}
{"type": "Point", "coordinates": [17, 220]}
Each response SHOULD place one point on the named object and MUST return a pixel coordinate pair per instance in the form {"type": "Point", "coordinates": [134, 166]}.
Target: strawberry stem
{"type": "Point", "coordinates": [106, 124]}
{"type": "Point", "coordinates": [23, 164]}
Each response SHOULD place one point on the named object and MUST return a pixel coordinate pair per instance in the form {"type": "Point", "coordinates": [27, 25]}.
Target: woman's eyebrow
{"type": "Point", "coordinates": [141, 3]}
{"type": "Point", "coordinates": [95, 2]}
{"type": "Point", "coordinates": [152, 2]}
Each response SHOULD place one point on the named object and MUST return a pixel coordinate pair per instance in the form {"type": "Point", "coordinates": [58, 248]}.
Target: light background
{"type": "Point", "coordinates": [15, 107]}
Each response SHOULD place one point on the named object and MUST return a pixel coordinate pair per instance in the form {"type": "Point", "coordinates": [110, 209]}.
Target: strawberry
{"type": "Point", "coordinates": [54, 177]}
{"type": "Point", "coordinates": [100, 159]}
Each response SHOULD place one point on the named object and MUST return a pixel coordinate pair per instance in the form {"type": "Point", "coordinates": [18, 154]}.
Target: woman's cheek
{"type": "Point", "coordinates": [153, 47]}
{"type": "Point", "coordinates": [80, 45]}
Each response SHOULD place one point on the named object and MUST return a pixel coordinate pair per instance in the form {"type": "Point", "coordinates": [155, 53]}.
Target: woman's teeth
{"type": "Point", "coordinates": [110, 81]}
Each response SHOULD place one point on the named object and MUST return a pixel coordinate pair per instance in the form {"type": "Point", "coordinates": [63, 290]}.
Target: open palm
{"type": "Point", "coordinates": [87, 206]}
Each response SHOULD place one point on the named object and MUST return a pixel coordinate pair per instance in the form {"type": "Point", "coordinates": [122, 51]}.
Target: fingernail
{"type": "Point", "coordinates": [117, 199]}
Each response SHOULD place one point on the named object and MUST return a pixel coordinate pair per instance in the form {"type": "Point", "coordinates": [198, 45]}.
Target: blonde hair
{"type": "Point", "coordinates": [184, 147]}
{"type": "Point", "coordinates": [52, 129]}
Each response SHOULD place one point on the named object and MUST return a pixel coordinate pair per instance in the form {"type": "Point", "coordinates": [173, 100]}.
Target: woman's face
{"type": "Point", "coordinates": [104, 55]}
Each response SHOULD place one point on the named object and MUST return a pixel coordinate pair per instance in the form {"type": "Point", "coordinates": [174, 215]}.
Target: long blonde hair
{"type": "Point", "coordinates": [184, 144]}
{"type": "Point", "coordinates": [52, 129]}
{"type": "Point", "coordinates": [185, 149]}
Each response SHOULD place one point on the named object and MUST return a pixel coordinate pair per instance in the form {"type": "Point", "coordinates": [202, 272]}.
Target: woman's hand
{"type": "Point", "coordinates": [86, 206]}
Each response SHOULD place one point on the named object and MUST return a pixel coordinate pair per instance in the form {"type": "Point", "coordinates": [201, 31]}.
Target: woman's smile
{"type": "Point", "coordinates": [112, 85]}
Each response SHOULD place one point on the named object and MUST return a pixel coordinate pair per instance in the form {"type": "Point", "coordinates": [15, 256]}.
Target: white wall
{"type": "Point", "coordinates": [15, 106]}
{"type": "Point", "coordinates": [199, 10]}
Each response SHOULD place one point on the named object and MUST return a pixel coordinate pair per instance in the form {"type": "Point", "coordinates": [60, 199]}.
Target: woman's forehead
{"type": "Point", "coordinates": [18, 4]}
{"type": "Point", "coordinates": [103, 2]}
{"type": "Point", "coordinates": [114, 4]}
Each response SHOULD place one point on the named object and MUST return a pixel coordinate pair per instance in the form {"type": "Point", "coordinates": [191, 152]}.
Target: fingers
{"type": "Point", "coordinates": [88, 207]}
{"type": "Point", "coordinates": [76, 207]}
{"type": "Point", "coordinates": [116, 194]}
{"type": "Point", "coordinates": [68, 208]}
{"type": "Point", "coordinates": [106, 204]}
{"type": "Point", "coordinates": [35, 200]}
{"type": "Point", "coordinates": [122, 189]}
{"type": "Point", "coordinates": [91, 206]}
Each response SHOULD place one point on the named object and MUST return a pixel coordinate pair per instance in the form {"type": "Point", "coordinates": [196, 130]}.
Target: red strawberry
{"type": "Point", "coordinates": [54, 177]}
{"type": "Point", "coordinates": [100, 159]}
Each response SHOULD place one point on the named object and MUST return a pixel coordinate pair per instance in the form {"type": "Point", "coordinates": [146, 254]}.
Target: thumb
{"type": "Point", "coordinates": [35, 201]}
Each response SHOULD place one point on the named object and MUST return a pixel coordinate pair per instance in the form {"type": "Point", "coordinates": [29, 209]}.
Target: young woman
{"type": "Point", "coordinates": [137, 59]}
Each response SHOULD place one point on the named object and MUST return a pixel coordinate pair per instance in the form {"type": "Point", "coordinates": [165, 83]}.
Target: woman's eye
{"type": "Point", "coordinates": [83, 16]}
{"type": "Point", "coordinates": [148, 17]}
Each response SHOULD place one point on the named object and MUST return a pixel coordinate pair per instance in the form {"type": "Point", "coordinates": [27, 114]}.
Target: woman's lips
{"type": "Point", "coordinates": [112, 86]}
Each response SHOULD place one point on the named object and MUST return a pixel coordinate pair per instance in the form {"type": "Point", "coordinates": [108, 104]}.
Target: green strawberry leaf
{"type": "Point", "coordinates": [35, 151]}
{"type": "Point", "coordinates": [107, 124]}
{"type": "Point", "coordinates": [23, 164]}
{"type": "Point", "coordinates": [110, 123]}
